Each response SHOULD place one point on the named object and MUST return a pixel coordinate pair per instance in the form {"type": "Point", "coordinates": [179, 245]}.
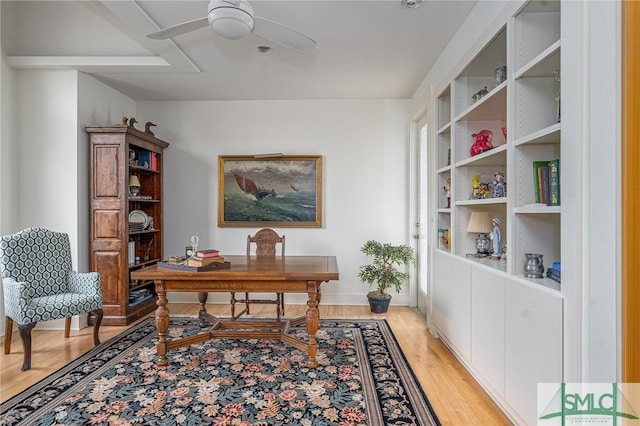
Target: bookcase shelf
{"type": "Point", "coordinates": [543, 65]}
{"type": "Point", "coordinates": [494, 157]}
{"type": "Point", "coordinates": [550, 134]}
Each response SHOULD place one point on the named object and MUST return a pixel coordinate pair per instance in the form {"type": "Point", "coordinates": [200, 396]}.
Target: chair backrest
{"type": "Point", "coordinates": [39, 257]}
{"type": "Point", "coordinates": [265, 241]}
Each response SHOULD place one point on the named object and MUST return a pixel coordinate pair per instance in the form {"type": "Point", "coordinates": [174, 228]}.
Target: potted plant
{"type": "Point", "coordinates": [384, 271]}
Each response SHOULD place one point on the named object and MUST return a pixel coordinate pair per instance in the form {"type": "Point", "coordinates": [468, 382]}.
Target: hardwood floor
{"type": "Point", "coordinates": [454, 394]}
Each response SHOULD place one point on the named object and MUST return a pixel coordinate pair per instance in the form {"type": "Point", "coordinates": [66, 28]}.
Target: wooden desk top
{"type": "Point", "coordinates": [256, 268]}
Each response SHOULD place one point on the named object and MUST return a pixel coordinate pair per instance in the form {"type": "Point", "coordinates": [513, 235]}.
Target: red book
{"type": "Point", "coordinates": [207, 253]}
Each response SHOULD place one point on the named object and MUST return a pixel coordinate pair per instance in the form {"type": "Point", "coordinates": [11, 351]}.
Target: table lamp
{"type": "Point", "coordinates": [134, 185]}
{"type": "Point", "coordinates": [480, 223]}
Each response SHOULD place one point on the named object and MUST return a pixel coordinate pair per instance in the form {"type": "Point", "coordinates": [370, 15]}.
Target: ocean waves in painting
{"type": "Point", "coordinates": [284, 207]}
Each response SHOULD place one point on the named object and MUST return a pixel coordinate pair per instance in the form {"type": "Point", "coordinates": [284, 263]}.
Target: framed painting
{"type": "Point", "coordinates": [283, 191]}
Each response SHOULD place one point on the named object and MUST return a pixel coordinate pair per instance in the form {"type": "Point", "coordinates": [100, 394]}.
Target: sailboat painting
{"type": "Point", "coordinates": [272, 191]}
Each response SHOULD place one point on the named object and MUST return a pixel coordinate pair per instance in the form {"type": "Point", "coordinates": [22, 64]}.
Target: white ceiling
{"type": "Point", "coordinates": [365, 49]}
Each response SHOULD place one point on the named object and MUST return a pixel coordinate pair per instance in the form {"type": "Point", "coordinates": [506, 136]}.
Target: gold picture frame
{"type": "Point", "coordinates": [278, 191]}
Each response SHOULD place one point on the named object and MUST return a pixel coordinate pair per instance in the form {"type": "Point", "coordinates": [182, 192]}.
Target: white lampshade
{"type": "Point", "coordinates": [480, 223]}
{"type": "Point", "coordinates": [134, 181]}
{"type": "Point", "coordinates": [229, 21]}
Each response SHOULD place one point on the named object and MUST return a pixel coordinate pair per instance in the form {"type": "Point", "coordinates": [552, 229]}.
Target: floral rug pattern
{"type": "Point", "coordinates": [362, 379]}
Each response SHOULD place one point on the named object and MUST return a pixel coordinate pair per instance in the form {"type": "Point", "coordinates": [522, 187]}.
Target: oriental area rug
{"type": "Point", "coordinates": [362, 378]}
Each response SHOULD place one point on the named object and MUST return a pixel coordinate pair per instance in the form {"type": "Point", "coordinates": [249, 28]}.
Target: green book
{"type": "Point", "coordinates": [555, 182]}
{"type": "Point", "coordinates": [537, 183]}
{"type": "Point", "coordinates": [544, 176]}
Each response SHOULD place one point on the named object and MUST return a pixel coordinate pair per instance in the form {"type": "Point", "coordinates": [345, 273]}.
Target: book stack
{"type": "Point", "coordinates": [554, 272]}
{"type": "Point", "coordinates": [546, 178]}
{"type": "Point", "coordinates": [148, 160]}
{"type": "Point", "coordinates": [205, 257]}
{"type": "Point", "coordinates": [176, 260]}
{"type": "Point", "coordinates": [138, 295]}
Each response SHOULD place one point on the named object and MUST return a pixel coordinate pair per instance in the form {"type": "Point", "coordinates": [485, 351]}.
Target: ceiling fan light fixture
{"type": "Point", "coordinates": [232, 20]}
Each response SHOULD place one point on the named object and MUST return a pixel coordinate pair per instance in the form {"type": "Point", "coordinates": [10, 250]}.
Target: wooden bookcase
{"type": "Point", "coordinates": [115, 247]}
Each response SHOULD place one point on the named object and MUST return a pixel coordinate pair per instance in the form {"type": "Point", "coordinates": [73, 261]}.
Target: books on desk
{"type": "Point", "coordinates": [207, 253]}
{"type": "Point", "coordinates": [204, 261]}
{"type": "Point", "coordinates": [208, 267]}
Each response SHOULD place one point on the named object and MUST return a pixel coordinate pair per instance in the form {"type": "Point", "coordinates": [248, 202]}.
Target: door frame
{"type": "Point", "coordinates": [630, 153]}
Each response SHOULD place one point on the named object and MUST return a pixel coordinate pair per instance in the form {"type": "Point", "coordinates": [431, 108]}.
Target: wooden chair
{"type": "Point", "coordinates": [265, 241]}
{"type": "Point", "coordinates": [40, 285]}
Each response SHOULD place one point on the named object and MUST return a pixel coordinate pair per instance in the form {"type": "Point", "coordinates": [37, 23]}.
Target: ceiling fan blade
{"type": "Point", "coordinates": [178, 29]}
{"type": "Point", "coordinates": [283, 35]}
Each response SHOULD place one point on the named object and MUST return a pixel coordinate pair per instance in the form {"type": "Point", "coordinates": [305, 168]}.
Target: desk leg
{"type": "Point", "coordinates": [313, 322]}
{"type": "Point", "coordinates": [162, 324]}
{"type": "Point", "coordinates": [202, 298]}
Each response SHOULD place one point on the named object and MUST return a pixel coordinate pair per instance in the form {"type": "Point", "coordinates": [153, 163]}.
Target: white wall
{"type": "Point", "coordinates": [364, 144]}
{"type": "Point", "coordinates": [47, 152]}
{"type": "Point", "coordinates": [44, 153]}
{"type": "Point", "coordinates": [98, 104]}
{"type": "Point", "coordinates": [8, 156]}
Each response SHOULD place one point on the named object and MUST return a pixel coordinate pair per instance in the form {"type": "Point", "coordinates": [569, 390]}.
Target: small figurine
{"type": "Point", "coordinates": [447, 192]}
{"type": "Point", "coordinates": [445, 239]}
{"type": "Point", "coordinates": [482, 142]}
{"type": "Point", "coordinates": [125, 120]}
{"type": "Point", "coordinates": [496, 239]}
{"type": "Point", "coordinates": [479, 94]}
{"type": "Point", "coordinates": [499, 186]}
{"type": "Point", "coordinates": [147, 128]}
{"type": "Point", "coordinates": [132, 158]}
{"type": "Point", "coordinates": [132, 121]}
{"type": "Point", "coordinates": [475, 181]}
{"type": "Point", "coordinates": [479, 190]}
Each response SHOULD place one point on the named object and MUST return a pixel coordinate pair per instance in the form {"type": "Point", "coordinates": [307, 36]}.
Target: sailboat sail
{"type": "Point", "coordinates": [249, 187]}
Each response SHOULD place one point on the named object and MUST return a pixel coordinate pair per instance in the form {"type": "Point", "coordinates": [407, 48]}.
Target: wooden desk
{"type": "Point", "coordinates": [258, 274]}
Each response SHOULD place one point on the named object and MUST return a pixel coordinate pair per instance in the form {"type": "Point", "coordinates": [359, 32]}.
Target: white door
{"type": "Point", "coordinates": [419, 220]}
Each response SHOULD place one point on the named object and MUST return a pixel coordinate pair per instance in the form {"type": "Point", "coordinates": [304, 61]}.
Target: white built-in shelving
{"type": "Point", "coordinates": [481, 306]}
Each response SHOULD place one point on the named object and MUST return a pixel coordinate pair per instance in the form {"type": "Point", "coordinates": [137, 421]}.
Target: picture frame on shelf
{"type": "Point", "coordinates": [270, 191]}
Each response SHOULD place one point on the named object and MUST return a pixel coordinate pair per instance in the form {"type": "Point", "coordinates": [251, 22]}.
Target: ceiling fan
{"type": "Point", "coordinates": [234, 19]}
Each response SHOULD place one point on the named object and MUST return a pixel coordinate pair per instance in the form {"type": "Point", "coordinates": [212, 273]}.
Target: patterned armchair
{"type": "Point", "coordinates": [39, 285]}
